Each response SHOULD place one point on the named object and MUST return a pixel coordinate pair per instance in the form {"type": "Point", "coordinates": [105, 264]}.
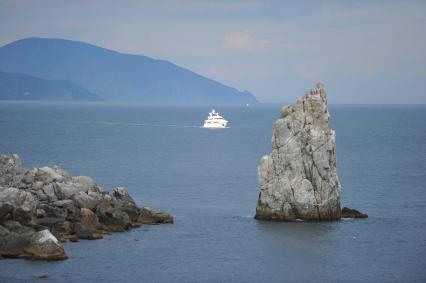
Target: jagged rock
{"type": "Point", "coordinates": [89, 227]}
{"type": "Point", "coordinates": [13, 243]}
{"type": "Point", "coordinates": [299, 179]}
{"type": "Point", "coordinates": [23, 215]}
{"type": "Point", "coordinates": [122, 195]}
{"type": "Point", "coordinates": [68, 209]}
{"type": "Point", "coordinates": [352, 213]}
{"type": "Point", "coordinates": [18, 197]}
{"type": "Point", "coordinates": [66, 191]}
{"type": "Point", "coordinates": [148, 215]}
{"type": "Point", "coordinates": [61, 229]}
{"type": "Point", "coordinates": [86, 182]}
{"type": "Point", "coordinates": [164, 218]}
{"type": "Point", "coordinates": [61, 172]}
{"type": "Point", "coordinates": [40, 204]}
{"type": "Point", "coordinates": [115, 219]}
{"type": "Point", "coordinates": [43, 245]}
{"type": "Point", "coordinates": [49, 191]}
{"type": "Point", "coordinates": [122, 200]}
{"type": "Point", "coordinates": [48, 175]}
{"type": "Point", "coordinates": [28, 177]}
{"type": "Point", "coordinates": [6, 209]}
{"type": "Point", "coordinates": [83, 200]}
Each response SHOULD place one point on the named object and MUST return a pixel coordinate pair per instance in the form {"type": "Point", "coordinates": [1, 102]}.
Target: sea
{"type": "Point", "coordinates": [207, 179]}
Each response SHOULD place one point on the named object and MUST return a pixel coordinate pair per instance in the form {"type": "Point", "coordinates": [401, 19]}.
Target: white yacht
{"type": "Point", "coordinates": [214, 120]}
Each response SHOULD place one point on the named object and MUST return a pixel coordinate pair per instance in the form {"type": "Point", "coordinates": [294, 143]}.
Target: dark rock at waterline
{"type": "Point", "coordinates": [148, 215]}
{"type": "Point", "coordinates": [352, 213]}
{"type": "Point", "coordinates": [43, 245]}
{"type": "Point", "coordinates": [42, 207]}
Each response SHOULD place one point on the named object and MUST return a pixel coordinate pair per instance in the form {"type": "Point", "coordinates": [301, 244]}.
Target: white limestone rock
{"type": "Point", "coordinates": [67, 190]}
{"type": "Point", "coordinates": [49, 175]}
{"type": "Point", "coordinates": [298, 180]}
{"type": "Point", "coordinates": [88, 183]}
{"type": "Point", "coordinates": [43, 245]}
{"type": "Point", "coordinates": [18, 198]}
{"type": "Point", "coordinates": [83, 200]}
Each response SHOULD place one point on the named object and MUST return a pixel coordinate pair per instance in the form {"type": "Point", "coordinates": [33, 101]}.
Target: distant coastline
{"type": "Point", "coordinates": [110, 75]}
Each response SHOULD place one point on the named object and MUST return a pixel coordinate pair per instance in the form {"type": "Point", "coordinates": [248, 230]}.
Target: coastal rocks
{"type": "Point", "coordinates": [89, 227]}
{"type": "Point", "coordinates": [115, 219]}
{"type": "Point", "coordinates": [352, 213]}
{"type": "Point", "coordinates": [17, 197]}
{"type": "Point", "coordinates": [84, 200]}
{"type": "Point", "coordinates": [40, 207]}
{"type": "Point", "coordinates": [43, 245]}
{"type": "Point", "coordinates": [148, 215]}
{"type": "Point", "coordinates": [14, 238]}
{"type": "Point", "coordinates": [298, 180]}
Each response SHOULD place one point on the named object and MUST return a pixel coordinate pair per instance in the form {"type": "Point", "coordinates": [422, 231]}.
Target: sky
{"type": "Point", "coordinates": [364, 51]}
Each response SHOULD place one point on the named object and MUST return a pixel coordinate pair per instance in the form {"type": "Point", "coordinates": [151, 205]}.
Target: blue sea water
{"type": "Point", "coordinates": [207, 180]}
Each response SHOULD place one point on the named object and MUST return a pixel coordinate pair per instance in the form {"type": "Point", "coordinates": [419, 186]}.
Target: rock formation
{"type": "Point", "coordinates": [40, 206]}
{"type": "Point", "coordinates": [298, 180]}
{"type": "Point", "coordinates": [352, 213]}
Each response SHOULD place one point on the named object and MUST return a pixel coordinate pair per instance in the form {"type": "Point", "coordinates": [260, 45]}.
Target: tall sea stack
{"type": "Point", "coordinates": [298, 180]}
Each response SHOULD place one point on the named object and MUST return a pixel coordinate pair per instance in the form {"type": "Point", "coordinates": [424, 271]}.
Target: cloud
{"type": "Point", "coordinates": [246, 42]}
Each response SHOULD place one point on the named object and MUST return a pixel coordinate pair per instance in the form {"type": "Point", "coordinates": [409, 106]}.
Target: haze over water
{"type": "Point", "coordinates": [207, 180]}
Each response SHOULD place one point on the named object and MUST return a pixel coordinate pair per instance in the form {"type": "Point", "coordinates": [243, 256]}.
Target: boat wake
{"type": "Point", "coordinates": [117, 123]}
{"type": "Point", "coordinates": [148, 125]}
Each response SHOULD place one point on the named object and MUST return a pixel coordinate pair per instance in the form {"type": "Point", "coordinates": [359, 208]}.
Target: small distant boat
{"type": "Point", "coordinates": [214, 120]}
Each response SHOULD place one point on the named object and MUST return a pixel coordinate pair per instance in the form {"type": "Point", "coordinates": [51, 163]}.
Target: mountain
{"type": "Point", "coordinates": [25, 87]}
{"type": "Point", "coordinates": [115, 76]}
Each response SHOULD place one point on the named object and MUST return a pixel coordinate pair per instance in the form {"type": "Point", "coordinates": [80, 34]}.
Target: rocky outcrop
{"type": "Point", "coordinates": [40, 207]}
{"type": "Point", "coordinates": [43, 245]}
{"type": "Point", "coordinates": [298, 180]}
{"type": "Point", "coordinates": [352, 213]}
{"type": "Point", "coordinates": [148, 215]}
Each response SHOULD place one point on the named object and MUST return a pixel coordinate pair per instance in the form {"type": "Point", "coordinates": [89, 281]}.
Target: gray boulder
{"type": "Point", "coordinates": [352, 213]}
{"type": "Point", "coordinates": [298, 180]}
{"type": "Point", "coordinates": [13, 243]}
{"type": "Point", "coordinates": [67, 190]}
{"type": "Point", "coordinates": [114, 218]}
{"type": "Point", "coordinates": [86, 182]}
{"type": "Point", "coordinates": [49, 191]}
{"type": "Point", "coordinates": [89, 227]}
{"type": "Point", "coordinates": [43, 245]}
{"type": "Point", "coordinates": [122, 196]}
{"type": "Point", "coordinates": [11, 173]}
{"type": "Point", "coordinates": [48, 175]}
{"type": "Point", "coordinates": [18, 197]}
{"type": "Point", "coordinates": [148, 215]}
{"type": "Point", "coordinates": [83, 200]}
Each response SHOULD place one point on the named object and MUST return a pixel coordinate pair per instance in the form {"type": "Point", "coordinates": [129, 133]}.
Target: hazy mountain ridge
{"type": "Point", "coordinates": [115, 76]}
{"type": "Point", "coordinates": [25, 87]}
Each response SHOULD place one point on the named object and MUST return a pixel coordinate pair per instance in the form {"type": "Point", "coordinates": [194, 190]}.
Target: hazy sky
{"type": "Point", "coordinates": [365, 51]}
